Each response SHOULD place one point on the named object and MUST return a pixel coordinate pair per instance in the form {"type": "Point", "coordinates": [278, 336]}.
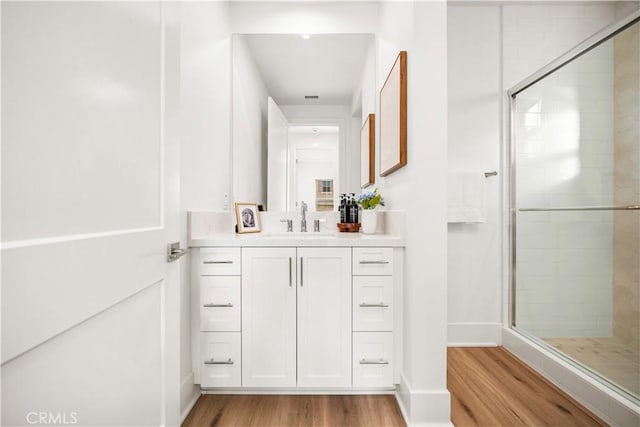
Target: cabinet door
{"type": "Point", "coordinates": [268, 317]}
{"type": "Point", "coordinates": [220, 358]}
{"type": "Point", "coordinates": [220, 303]}
{"type": "Point", "coordinates": [373, 359]}
{"type": "Point", "coordinates": [373, 303]}
{"type": "Point", "coordinates": [324, 317]}
{"type": "Point", "coordinates": [372, 261]}
{"type": "Point", "coordinates": [219, 261]}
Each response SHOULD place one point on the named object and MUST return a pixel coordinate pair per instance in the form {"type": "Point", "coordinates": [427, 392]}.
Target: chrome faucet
{"type": "Point", "coordinates": [303, 222]}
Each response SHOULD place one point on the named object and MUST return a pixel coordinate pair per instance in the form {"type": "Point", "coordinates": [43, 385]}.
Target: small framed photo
{"type": "Point", "coordinates": [247, 217]}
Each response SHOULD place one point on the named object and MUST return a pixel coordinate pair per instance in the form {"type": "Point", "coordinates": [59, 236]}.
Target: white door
{"type": "Point", "coordinates": [90, 307]}
{"type": "Point", "coordinates": [277, 158]}
{"type": "Point", "coordinates": [324, 317]}
{"type": "Point", "coordinates": [268, 317]}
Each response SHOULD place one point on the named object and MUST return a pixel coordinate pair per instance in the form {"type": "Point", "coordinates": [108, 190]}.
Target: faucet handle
{"type": "Point", "coordinates": [316, 224]}
{"type": "Point", "coordinates": [289, 224]}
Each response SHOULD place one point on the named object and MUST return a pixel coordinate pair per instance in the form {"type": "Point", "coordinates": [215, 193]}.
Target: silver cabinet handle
{"type": "Point", "coordinates": [374, 262]}
{"type": "Point", "coordinates": [212, 361]}
{"type": "Point", "coordinates": [218, 262]}
{"type": "Point", "coordinates": [301, 271]}
{"type": "Point", "coordinates": [218, 305]}
{"type": "Point", "coordinates": [365, 304]}
{"type": "Point", "coordinates": [290, 271]}
{"type": "Point", "coordinates": [380, 361]}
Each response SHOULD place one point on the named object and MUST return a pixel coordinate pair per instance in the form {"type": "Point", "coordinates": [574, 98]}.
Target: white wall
{"type": "Point", "coordinates": [420, 189]}
{"type": "Point", "coordinates": [474, 274]}
{"type": "Point", "coordinates": [205, 174]}
{"type": "Point", "coordinates": [249, 126]}
{"type": "Point", "coordinates": [521, 39]}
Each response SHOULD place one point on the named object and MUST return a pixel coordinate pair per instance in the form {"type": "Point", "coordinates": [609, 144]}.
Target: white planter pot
{"type": "Point", "coordinates": [368, 221]}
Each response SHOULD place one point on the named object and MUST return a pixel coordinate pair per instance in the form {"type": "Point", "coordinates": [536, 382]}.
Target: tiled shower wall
{"type": "Point", "coordinates": [564, 151]}
{"type": "Point", "coordinates": [564, 259]}
{"type": "Point", "coordinates": [626, 236]}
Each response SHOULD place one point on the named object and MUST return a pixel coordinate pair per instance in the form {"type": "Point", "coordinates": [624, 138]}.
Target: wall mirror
{"type": "Point", "coordinates": [299, 102]}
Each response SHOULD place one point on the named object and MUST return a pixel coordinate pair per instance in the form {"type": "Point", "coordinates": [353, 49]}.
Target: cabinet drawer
{"type": "Point", "coordinates": [220, 303]}
{"type": "Point", "coordinates": [220, 359]}
{"type": "Point", "coordinates": [219, 261]}
{"type": "Point", "coordinates": [372, 359]}
{"type": "Point", "coordinates": [373, 303]}
{"type": "Point", "coordinates": [372, 261]}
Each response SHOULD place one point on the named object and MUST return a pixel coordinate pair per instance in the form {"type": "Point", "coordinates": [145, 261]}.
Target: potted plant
{"type": "Point", "coordinates": [368, 202]}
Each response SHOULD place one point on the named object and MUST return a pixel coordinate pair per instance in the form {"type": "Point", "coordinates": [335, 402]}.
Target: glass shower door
{"type": "Point", "coordinates": [576, 158]}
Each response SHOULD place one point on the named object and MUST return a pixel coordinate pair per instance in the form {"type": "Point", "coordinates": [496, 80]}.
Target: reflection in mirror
{"type": "Point", "coordinates": [313, 156]}
{"type": "Point", "coordinates": [298, 106]}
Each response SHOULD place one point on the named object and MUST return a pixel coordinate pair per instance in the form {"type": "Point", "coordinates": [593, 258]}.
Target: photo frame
{"type": "Point", "coordinates": [367, 151]}
{"type": "Point", "coordinates": [247, 217]}
{"type": "Point", "coordinates": [393, 118]}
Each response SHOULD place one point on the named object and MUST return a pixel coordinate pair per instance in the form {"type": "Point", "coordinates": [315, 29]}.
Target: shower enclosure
{"type": "Point", "coordinates": [575, 214]}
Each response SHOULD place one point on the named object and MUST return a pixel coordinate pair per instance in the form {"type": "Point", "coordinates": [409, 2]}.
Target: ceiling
{"type": "Point", "coordinates": [327, 65]}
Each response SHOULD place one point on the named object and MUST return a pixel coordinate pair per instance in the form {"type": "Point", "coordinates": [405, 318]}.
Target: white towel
{"type": "Point", "coordinates": [466, 197]}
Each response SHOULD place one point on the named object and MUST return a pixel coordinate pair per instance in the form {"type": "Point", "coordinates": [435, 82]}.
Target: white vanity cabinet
{"type": "Point", "coordinates": [373, 317]}
{"type": "Point", "coordinates": [276, 317]}
{"type": "Point", "coordinates": [218, 306]}
{"type": "Point", "coordinates": [296, 317]}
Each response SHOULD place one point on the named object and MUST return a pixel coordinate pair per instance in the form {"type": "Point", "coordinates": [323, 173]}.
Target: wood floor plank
{"type": "Point", "coordinates": [491, 387]}
{"type": "Point", "coordinates": [295, 410]}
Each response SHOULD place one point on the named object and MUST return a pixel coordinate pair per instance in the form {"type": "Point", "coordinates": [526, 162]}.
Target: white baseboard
{"type": "Point", "coordinates": [298, 391]}
{"type": "Point", "coordinates": [189, 394]}
{"type": "Point", "coordinates": [599, 399]}
{"type": "Point", "coordinates": [474, 334]}
{"type": "Point", "coordinates": [423, 407]}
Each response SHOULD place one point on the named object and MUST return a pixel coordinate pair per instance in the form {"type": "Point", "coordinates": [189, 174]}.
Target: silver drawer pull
{"type": "Point", "coordinates": [374, 262]}
{"type": "Point", "coordinates": [218, 305]}
{"type": "Point", "coordinates": [374, 362]}
{"type": "Point", "coordinates": [218, 262]}
{"type": "Point", "coordinates": [366, 304]}
{"type": "Point", "coordinates": [218, 362]}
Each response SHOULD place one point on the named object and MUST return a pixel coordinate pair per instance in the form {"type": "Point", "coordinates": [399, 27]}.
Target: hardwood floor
{"type": "Point", "coordinates": [491, 387]}
{"type": "Point", "coordinates": [299, 410]}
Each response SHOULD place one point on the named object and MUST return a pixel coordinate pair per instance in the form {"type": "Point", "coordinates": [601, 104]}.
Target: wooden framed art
{"type": "Point", "coordinates": [393, 118]}
{"type": "Point", "coordinates": [367, 151]}
{"type": "Point", "coordinates": [247, 217]}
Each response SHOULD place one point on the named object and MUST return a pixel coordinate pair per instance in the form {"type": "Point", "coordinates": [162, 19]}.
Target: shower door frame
{"type": "Point", "coordinates": [581, 49]}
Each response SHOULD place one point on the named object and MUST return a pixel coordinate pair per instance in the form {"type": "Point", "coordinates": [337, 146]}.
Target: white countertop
{"type": "Point", "coordinates": [296, 239]}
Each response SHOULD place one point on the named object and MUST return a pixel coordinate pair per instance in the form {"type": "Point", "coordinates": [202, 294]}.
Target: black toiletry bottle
{"type": "Point", "coordinates": [347, 208]}
{"type": "Point", "coordinates": [353, 209]}
{"type": "Point", "coordinates": [342, 208]}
